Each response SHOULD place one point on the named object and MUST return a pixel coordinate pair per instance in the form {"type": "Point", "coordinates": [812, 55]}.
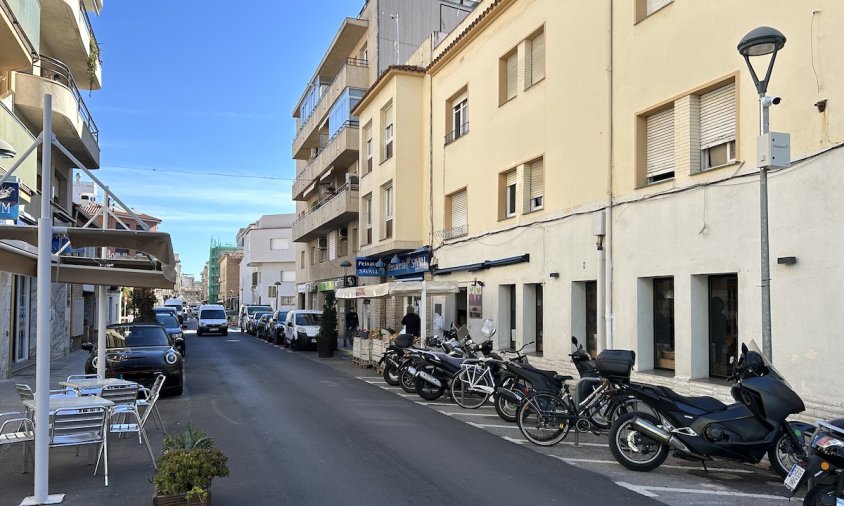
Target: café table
{"type": "Point", "coordinates": [93, 384]}
{"type": "Point", "coordinates": [83, 402]}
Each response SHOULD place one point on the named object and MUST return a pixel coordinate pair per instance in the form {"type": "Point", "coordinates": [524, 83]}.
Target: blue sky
{"type": "Point", "coordinates": [195, 110]}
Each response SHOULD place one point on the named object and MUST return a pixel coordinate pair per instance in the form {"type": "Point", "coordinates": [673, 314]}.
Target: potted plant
{"type": "Point", "coordinates": [187, 464]}
{"type": "Point", "coordinates": [327, 338]}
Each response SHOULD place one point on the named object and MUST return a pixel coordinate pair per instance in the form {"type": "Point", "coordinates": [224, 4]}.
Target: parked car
{"type": "Point", "coordinates": [275, 333]}
{"type": "Point", "coordinates": [301, 328]}
{"type": "Point", "coordinates": [249, 310]}
{"type": "Point", "coordinates": [262, 326]}
{"type": "Point", "coordinates": [140, 352]}
{"type": "Point", "coordinates": [171, 310]}
{"type": "Point", "coordinates": [173, 328]}
{"type": "Point", "coordinates": [212, 318]}
{"type": "Point", "coordinates": [252, 322]}
{"type": "Point", "coordinates": [179, 306]}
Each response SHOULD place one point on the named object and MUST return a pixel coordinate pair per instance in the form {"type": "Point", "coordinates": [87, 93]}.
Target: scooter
{"type": "Point", "coordinates": [704, 428]}
{"type": "Point", "coordinates": [823, 470]}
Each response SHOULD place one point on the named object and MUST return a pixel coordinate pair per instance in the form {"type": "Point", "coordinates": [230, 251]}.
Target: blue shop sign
{"type": "Point", "coordinates": [9, 208]}
{"type": "Point", "coordinates": [366, 267]}
{"type": "Point", "coordinates": [415, 262]}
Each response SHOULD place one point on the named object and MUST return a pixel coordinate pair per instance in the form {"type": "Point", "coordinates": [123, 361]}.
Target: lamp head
{"type": "Point", "coordinates": [345, 264]}
{"type": "Point", "coordinates": [761, 41]}
{"type": "Point", "coordinates": [395, 260]}
{"type": "Point", "coordinates": [6, 150]}
{"type": "Point", "coordinates": [380, 264]}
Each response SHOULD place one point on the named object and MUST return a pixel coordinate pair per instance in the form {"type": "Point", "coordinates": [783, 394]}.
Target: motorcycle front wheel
{"type": "Point", "coordinates": [391, 374]}
{"type": "Point", "coordinates": [783, 455]}
{"type": "Point", "coordinates": [406, 380]}
{"type": "Point", "coordinates": [633, 449]}
{"type": "Point", "coordinates": [538, 422]}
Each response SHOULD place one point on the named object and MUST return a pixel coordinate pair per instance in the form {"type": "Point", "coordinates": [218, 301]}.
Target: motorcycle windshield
{"type": "Point", "coordinates": [752, 346]}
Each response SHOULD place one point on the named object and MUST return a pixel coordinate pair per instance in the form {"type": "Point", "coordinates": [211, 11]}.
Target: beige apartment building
{"type": "Point", "coordinates": [326, 145]}
{"type": "Point", "coordinates": [230, 279]}
{"type": "Point", "coordinates": [589, 169]}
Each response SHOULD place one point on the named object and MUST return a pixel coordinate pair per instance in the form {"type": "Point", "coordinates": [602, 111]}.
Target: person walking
{"type": "Point", "coordinates": [352, 323]}
{"type": "Point", "coordinates": [412, 323]}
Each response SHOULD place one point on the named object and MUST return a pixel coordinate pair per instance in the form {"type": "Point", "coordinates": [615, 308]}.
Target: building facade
{"type": "Point", "coordinates": [230, 278]}
{"type": "Point", "coordinates": [268, 267]}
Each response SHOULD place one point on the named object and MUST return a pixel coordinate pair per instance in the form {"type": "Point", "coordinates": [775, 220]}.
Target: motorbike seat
{"type": "Point", "coordinates": [452, 360]}
{"type": "Point", "coordinates": [704, 403]}
{"type": "Point", "coordinates": [562, 378]}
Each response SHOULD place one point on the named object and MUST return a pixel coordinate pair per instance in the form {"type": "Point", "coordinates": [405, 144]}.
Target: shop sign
{"type": "Point", "coordinates": [412, 263]}
{"type": "Point", "coordinates": [476, 301]}
{"type": "Point", "coordinates": [346, 281]}
{"type": "Point", "coordinates": [366, 267]}
{"type": "Point", "coordinates": [302, 288]}
{"type": "Point", "coordinates": [326, 286]}
{"type": "Point", "coordinates": [9, 208]}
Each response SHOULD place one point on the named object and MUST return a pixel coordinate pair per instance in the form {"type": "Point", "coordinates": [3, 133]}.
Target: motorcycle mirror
{"type": "Point", "coordinates": [744, 348]}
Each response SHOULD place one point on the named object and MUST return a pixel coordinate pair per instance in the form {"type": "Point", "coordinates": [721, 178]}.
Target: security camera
{"type": "Point", "coordinates": [769, 101]}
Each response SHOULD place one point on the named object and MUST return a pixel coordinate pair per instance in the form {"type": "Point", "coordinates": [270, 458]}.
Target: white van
{"type": "Point", "coordinates": [212, 318]}
{"type": "Point", "coordinates": [301, 328]}
{"type": "Point", "coordinates": [179, 305]}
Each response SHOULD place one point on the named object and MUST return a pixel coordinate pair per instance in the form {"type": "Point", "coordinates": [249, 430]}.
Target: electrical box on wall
{"type": "Point", "coordinates": [773, 150]}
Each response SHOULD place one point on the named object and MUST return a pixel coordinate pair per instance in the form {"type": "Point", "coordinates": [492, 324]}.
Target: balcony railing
{"type": "Point", "coordinates": [326, 211]}
{"type": "Point", "coordinates": [355, 62]}
{"type": "Point", "coordinates": [451, 233]}
{"type": "Point", "coordinates": [54, 70]}
{"type": "Point", "coordinates": [457, 133]}
{"type": "Point", "coordinates": [341, 145]}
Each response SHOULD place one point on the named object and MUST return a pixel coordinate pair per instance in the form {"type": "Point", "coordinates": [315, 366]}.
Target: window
{"type": "Point", "coordinates": [652, 6]}
{"type": "Point", "coordinates": [271, 291]}
{"type": "Point", "coordinates": [458, 215]}
{"type": "Point", "coordinates": [718, 127]}
{"type": "Point", "coordinates": [534, 185]}
{"type": "Point", "coordinates": [508, 76]}
{"type": "Point", "coordinates": [368, 155]}
{"type": "Point", "coordinates": [302, 259]}
{"type": "Point", "coordinates": [458, 121]}
{"type": "Point", "coordinates": [288, 276]}
{"type": "Point", "coordinates": [367, 211]}
{"type": "Point", "coordinates": [508, 193]}
{"type": "Point", "coordinates": [535, 59]}
{"type": "Point", "coordinates": [663, 304]}
{"type": "Point", "coordinates": [660, 146]}
{"type": "Point", "coordinates": [313, 255]}
{"type": "Point", "coordinates": [287, 300]}
{"type": "Point", "coordinates": [387, 194]}
{"type": "Point", "coordinates": [388, 132]}
{"type": "Point", "coordinates": [332, 245]}
{"type": "Point", "coordinates": [723, 323]}
{"type": "Point", "coordinates": [279, 244]}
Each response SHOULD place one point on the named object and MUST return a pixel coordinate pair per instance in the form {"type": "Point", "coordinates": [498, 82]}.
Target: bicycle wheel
{"type": "Point", "coordinates": [508, 410]}
{"type": "Point", "coordinates": [464, 388]}
{"type": "Point", "coordinates": [538, 421]}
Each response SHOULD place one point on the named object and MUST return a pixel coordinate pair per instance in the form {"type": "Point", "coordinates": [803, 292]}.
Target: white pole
{"type": "Point", "coordinates": [101, 330]}
{"type": "Point", "coordinates": [44, 303]}
{"type": "Point", "coordinates": [423, 308]}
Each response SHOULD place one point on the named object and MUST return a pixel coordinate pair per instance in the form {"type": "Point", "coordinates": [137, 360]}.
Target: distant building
{"type": "Point", "coordinates": [230, 279]}
{"type": "Point", "coordinates": [268, 268]}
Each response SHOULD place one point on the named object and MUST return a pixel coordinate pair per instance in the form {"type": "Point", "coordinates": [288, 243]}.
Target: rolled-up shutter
{"type": "Point", "coordinates": [459, 209]}
{"type": "Point", "coordinates": [718, 116]}
{"type": "Point", "coordinates": [660, 145]}
{"type": "Point", "coordinates": [655, 5]}
{"type": "Point", "coordinates": [332, 245]}
{"type": "Point", "coordinates": [512, 73]}
{"type": "Point", "coordinates": [537, 59]}
{"type": "Point", "coordinates": [537, 183]}
{"type": "Point", "coordinates": [511, 178]}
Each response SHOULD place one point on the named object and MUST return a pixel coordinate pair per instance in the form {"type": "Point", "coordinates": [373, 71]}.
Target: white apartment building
{"type": "Point", "coordinates": [268, 268]}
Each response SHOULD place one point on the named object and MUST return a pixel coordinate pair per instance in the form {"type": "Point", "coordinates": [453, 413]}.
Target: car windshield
{"type": "Point", "coordinates": [255, 309]}
{"type": "Point", "coordinates": [123, 337]}
{"type": "Point", "coordinates": [258, 316]}
{"type": "Point", "coordinates": [281, 316]}
{"type": "Point", "coordinates": [167, 320]}
{"type": "Point", "coordinates": [308, 319]}
{"type": "Point", "coordinates": [215, 314]}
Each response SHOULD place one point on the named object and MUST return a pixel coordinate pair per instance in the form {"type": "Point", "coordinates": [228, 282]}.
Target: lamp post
{"type": "Point", "coordinates": [764, 41]}
{"type": "Point", "coordinates": [277, 284]}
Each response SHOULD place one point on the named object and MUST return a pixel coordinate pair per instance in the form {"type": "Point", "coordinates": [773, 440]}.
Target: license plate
{"type": "Point", "coordinates": [412, 371]}
{"type": "Point", "coordinates": [793, 478]}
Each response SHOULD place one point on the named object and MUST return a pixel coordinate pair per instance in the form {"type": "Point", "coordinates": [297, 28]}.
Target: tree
{"type": "Point", "coordinates": [143, 300]}
{"type": "Point", "coordinates": [328, 323]}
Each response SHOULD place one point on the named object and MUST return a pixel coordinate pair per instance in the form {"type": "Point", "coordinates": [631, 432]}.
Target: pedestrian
{"type": "Point", "coordinates": [412, 323]}
{"type": "Point", "coordinates": [351, 327]}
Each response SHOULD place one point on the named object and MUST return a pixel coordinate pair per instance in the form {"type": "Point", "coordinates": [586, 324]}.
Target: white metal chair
{"type": "Point", "coordinates": [150, 396]}
{"type": "Point", "coordinates": [85, 391]}
{"type": "Point", "coordinates": [80, 427]}
{"type": "Point", "coordinates": [17, 429]}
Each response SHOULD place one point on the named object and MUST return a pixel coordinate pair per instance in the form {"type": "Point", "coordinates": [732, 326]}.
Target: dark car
{"type": "Point", "coordinates": [167, 310]}
{"type": "Point", "coordinates": [252, 322]}
{"type": "Point", "coordinates": [275, 331]}
{"type": "Point", "coordinates": [173, 328]}
{"type": "Point", "coordinates": [139, 352]}
{"type": "Point", "coordinates": [262, 326]}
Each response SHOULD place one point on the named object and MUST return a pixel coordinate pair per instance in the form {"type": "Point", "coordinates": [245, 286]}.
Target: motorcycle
{"type": "Point", "coordinates": [392, 358]}
{"type": "Point", "coordinates": [704, 428]}
{"type": "Point", "coordinates": [823, 470]}
{"type": "Point", "coordinates": [434, 371]}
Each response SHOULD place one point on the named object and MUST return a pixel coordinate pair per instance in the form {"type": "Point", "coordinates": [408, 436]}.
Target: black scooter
{"type": "Point", "coordinates": [704, 428]}
{"type": "Point", "coordinates": [823, 470]}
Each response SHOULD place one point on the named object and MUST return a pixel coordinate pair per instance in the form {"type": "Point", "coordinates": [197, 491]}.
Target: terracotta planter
{"type": "Point", "coordinates": [179, 500]}
{"type": "Point", "coordinates": [325, 346]}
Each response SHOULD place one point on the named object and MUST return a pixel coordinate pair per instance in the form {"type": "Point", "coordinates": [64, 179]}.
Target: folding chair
{"type": "Point", "coordinates": [17, 429]}
{"type": "Point", "coordinates": [85, 391]}
{"type": "Point", "coordinates": [150, 396]}
{"type": "Point", "coordinates": [123, 423]}
{"type": "Point", "coordinates": [79, 427]}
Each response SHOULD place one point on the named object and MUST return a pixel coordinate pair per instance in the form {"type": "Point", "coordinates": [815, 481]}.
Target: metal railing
{"type": "Point", "coordinates": [56, 71]}
{"type": "Point", "coordinates": [83, 15]}
{"type": "Point", "coordinates": [457, 133]}
{"type": "Point", "coordinates": [321, 202]}
{"type": "Point", "coordinates": [451, 233]}
{"type": "Point", "coordinates": [354, 62]}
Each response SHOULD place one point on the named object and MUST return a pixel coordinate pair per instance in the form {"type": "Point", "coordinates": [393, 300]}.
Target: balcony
{"type": "Point", "coordinates": [72, 122]}
{"type": "Point", "coordinates": [328, 214]}
{"type": "Point", "coordinates": [354, 74]}
{"type": "Point", "coordinates": [329, 269]}
{"type": "Point", "coordinates": [341, 151]}
{"type": "Point", "coordinates": [71, 39]}
{"type": "Point", "coordinates": [19, 28]}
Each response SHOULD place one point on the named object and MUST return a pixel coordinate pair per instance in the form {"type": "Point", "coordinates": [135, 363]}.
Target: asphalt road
{"type": "Point", "coordinates": [298, 430]}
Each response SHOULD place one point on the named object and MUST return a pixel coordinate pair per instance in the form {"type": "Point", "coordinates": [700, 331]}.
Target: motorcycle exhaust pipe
{"type": "Point", "coordinates": [660, 434]}
{"type": "Point", "coordinates": [511, 395]}
{"type": "Point", "coordinates": [392, 362]}
{"type": "Point", "coordinates": [430, 379]}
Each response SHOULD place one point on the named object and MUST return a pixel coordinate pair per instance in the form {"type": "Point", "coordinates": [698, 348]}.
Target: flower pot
{"type": "Point", "coordinates": [179, 500]}
{"type": "Point", "coordinates": [325, 346]}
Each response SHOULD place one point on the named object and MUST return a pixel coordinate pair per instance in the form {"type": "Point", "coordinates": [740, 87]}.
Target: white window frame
{"type": "Point", "coordinates": [460, 118]}
{"type": "Point", "coordinates": [388, 141]}
{"type": "Point", "coordinates": [510, 195]}
{"type": "Point", "coordinates": [279, 243]}
{"type": "Point", "coordinates": [288, 276]}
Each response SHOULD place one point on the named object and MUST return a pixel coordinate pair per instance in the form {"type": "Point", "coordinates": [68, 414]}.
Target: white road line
{"type": "Point", "coordinates": [459, 413]}
{"type": "Point", "coordinates": [232, 340]}
{"type": "Point", "coordinates": [667, 466]}
{"type": "Point", "coordinates": [434, 403]}
{"type": "Point", "coordinates": [516, 441]}
{"type": "Point", "coordinates": [491, 426]}
{"type": "Point", "coordinates": [648, 491]}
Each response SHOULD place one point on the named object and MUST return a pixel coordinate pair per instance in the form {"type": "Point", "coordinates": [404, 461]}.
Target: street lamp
{"type": "Point", "coordinates": [345, 264]}
{"type": "Point", "coordinates": [277, 284]}
{"type": "Point", "coordinates": [6, 150]}
{"type": "Point", "coordinates": [764, 41]}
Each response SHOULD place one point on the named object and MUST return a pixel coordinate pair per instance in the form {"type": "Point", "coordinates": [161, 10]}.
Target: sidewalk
{"type": "Point", "coordinates": [60, 369]}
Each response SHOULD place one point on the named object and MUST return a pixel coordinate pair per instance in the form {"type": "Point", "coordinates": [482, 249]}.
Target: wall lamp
{"type": "Point", "coordinates": [478, 283]}
{"type": "Point", "coordinates": [555, 274]}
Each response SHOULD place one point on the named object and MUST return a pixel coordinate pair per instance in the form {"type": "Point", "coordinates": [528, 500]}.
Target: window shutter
{"type": "Point", "coordinates": [332, 245]}
{"type": "Point", "coordinates": [660, 145]}
{"type": "Point", "coordinates": [537, 183]}
{"type": "Point", "coordinates": [512, 69]}
{"type": "Point", "coordinates": [459, 209]}
{"type": "Point", "coordinates": [537, 58]}
{"type": "Point", "coordinates": [511, 178]}
{"type": "Point", "coordinates": [655, 5]}
{"type": "Point", "coordinates": [718, 116]}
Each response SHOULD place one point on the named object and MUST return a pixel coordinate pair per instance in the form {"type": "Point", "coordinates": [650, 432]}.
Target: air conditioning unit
{"type": "Point", "coordinates": [343, 233]}
{"type": "Point", "coordinates": [352, 180]}
{"type": "Point", "coordinates": [322, 242]}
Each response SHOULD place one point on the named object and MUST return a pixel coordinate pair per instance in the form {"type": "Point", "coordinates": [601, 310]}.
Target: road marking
{"type": "Point", "coordinates": [434, 403]}
{"type": "Point", "coordinates": [232, 340]}
{"type": "Point", "coordinates": [667, 466]}
{"type": "Point", "coordinates": [458, 413]}
{"type": "Point", "coordinates": [648, 492]}
{"type": "Point", "coordinates": [516, 441]}
{"type": "Point", "coordinates": [491, 426]}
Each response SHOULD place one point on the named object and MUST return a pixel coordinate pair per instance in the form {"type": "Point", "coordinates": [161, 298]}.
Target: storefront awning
{"type": "Point", "coordinates": [397, 288]}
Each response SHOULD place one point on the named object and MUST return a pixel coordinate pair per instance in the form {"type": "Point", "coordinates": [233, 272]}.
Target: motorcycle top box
{"type": "Point", "coordinates": [404, 340]}
{"type": "Point", "coordinates": [616, 364]}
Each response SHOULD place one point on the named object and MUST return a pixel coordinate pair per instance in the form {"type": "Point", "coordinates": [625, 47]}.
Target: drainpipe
{"type": "Point", "coordinates": [609, 237]}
